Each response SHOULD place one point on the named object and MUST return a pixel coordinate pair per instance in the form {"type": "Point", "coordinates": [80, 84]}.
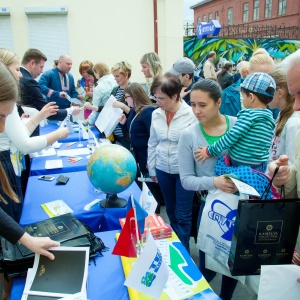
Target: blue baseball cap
{"type": "Point", "coordinates": [260, 83]}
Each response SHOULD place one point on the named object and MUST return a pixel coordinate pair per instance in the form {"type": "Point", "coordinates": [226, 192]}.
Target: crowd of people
{"type": "Point", "coordinates": [183, 130]}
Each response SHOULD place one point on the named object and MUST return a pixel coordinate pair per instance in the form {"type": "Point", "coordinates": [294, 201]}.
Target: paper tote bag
{"type": "Point", "coordinates": [216, 226]}
{"type": "Point", "coordinates": [265, 233]}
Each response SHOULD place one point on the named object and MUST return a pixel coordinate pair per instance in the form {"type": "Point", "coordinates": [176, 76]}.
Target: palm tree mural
{"type": "Point", "coordinates": [236, 49]}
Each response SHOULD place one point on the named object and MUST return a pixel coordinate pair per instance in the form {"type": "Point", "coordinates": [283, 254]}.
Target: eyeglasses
{"type": "Point", "coordinates": [159, 99]}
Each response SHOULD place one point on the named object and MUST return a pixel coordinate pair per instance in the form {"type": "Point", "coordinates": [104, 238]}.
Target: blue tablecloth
{"type": "Point", "coordinates": [105, 280]}
{"type": "Point", "coordinates": [37, 166]}
{"type": "Point", "coordinates": [76, 194]}
{"type": "Point", "coordinates": [72, 137]}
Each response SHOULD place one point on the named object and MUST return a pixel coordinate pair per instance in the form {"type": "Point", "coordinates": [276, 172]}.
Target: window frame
{"type": "Point", "coordinates": [268, 9]}
{"type": "Point", "coordinates": [230, 20]}
{"type": "Point", "coordinates": [245, 11]}
{"type": "Point", "coordinates": [256, 10]}
{"type": "Point", "coordinates": [281, 7]}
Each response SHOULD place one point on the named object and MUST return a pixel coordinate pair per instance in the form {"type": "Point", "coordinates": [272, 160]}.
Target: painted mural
{"type": "Point", "coordinates": [235, 50]}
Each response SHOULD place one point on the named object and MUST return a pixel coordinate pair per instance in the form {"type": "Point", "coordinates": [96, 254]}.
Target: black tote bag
{"type": "Point", "coordinates": [265, 233]}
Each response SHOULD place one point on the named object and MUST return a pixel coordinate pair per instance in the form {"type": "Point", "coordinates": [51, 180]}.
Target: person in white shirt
{"type": "Point", "coordinates": [209, 69]}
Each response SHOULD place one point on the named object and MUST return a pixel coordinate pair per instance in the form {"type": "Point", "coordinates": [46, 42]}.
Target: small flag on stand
{"type": "Point", "coordinates": [91, 136]}
{"type": "Point", "coordinates": [67, 123]}
{"type": "Point", "coordinates": [150, 273]}
{"type": "Point", "coordinates": [126, 244]}
{"type": "Point", "coordinates": [147, 200]}
{"type": "Point", "coordinates": [85, 135]}
{"type": "Point", "coordinates": [141, 214]}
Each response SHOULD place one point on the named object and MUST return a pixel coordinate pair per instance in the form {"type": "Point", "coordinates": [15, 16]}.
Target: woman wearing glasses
{"type": "Point", "coordinates": [168, 121]}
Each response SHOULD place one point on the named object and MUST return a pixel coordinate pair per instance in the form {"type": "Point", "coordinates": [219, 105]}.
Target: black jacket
{"type": "Point", "coordinates": [31, 96]}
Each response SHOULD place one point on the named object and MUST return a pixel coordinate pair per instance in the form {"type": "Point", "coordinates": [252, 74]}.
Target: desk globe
{"type": "Point", "coordinates": [111, 169]}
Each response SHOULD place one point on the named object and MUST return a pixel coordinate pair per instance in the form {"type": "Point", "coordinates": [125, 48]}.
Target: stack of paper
{"type": "Point", "coordinates": [65, 277]}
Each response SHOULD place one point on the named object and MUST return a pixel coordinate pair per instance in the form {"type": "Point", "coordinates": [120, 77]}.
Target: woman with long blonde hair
{"type": "Point", "coordinates": [288, 121]}
{"type": "Point", "coordinates": [151, 67]}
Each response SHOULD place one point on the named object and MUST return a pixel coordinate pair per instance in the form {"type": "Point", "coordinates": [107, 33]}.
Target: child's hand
{"type": "Point", "coordinates": [201, 154]}
{"type": "Point", "coordinates": [296, 259]}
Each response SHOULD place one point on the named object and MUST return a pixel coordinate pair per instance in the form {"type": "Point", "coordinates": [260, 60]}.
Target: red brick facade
{"type": "Point", "coordinates": [270, 12]}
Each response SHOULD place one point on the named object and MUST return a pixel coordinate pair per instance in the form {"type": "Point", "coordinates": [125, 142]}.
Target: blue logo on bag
{"type": "Point", "coordinates": [224, 216]}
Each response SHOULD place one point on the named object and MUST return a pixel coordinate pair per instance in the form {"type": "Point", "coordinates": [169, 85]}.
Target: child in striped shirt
{"type": "Point", "coordinates": [249, 140]}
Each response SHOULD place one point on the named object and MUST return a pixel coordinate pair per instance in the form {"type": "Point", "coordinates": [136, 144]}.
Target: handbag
{"type": "Point", "coordinates": [66, 229]}
{"type": "Point", "coordinates": [216, 226]}
{"type": "Point", "coordinates": [265, 233]}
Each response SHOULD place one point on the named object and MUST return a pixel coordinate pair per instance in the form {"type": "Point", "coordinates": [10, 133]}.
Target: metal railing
{"type": "Point", "coordinates": [252, 31]}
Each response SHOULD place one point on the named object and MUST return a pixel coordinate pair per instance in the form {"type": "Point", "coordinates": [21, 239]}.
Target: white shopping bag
{"type": "Point", "coordinates": [217, 224]}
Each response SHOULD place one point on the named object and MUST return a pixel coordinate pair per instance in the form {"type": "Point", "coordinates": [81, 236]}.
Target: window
{"type": "Point", "coordinates": [230, 13]}
{"type": "Point", "coordinates": [198, 20]}
{"type": "Point", "coordinates": [256, 10]}
{"type": "Point", "coordinates": [268, 9]}
{"type": "Point", "coordinates": [209, 17]}
{"type": "Point", "coordinates": [43, 30]}
{"type": "Point", "coordinates": [245, 12]}
{"type": "Point", "coordinates": [204, 18]}
{"type": "Point", "coordinates": [217, 15]}
{"type": "Point", "coordinates": [6, 33]}
{"type": "Point", "coordinates": [281, 7]}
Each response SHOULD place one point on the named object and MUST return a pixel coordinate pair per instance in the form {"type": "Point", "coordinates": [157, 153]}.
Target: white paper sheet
{"type": "Point", "coordinates": [73, 152]}
{"type": "Point", "coordinates": [56, 145]}
{"type": "Point", "coordinates": [74, 100]}
{"type": "Point", "coordinates": [80, 90]}
{"type": "Point", "coordinates": [47, 152]}
{"type": "Point", "coordinates": [53, 164]}
{"type": "Point", "coordinates": [108, 118]}
{"type": "Point", "coordinates": [37, 272]}
{"type": "Point", "coordinates": [279, 282]}
{"type": "Point", "coordinates": [30, 111]}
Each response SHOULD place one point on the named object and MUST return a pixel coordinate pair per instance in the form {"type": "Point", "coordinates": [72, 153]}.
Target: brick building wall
{"type": "Point", "coordinates": [220, 9]}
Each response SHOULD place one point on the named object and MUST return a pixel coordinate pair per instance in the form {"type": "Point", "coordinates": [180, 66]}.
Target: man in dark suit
{"type": "Point", "coordinates": [31, 95]}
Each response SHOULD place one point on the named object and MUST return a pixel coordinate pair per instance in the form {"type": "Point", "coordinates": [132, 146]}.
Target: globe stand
{"type": "Point", "coordinates": [113, 201]}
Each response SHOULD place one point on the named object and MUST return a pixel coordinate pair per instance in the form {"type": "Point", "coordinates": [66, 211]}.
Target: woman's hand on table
{"type": "Point", "coordinates": [225, 184]}
{"type": "Point", "coordinates": [201, 154]}
{"type": "Point", "coordinates": [39, 244]}
{"type": "Point", "coordinates": [283, 174]}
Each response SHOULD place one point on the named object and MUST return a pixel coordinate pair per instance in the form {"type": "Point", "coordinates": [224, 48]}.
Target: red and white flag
{"type": "Point", "coordinates": [126, 244]}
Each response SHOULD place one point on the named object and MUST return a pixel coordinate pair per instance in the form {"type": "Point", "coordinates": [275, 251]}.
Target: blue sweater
{"type": "Point", "coordinates": [51, 85]}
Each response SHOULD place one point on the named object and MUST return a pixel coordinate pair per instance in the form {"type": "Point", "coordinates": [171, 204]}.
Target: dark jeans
{"type": "Point", "coordinates": [228, 283]}
{"type": "Point", "coordinates": [179, 204]}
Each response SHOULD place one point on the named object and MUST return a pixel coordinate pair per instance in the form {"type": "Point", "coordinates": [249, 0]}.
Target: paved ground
{"type": "Point", "coordinates": [241, 291]}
